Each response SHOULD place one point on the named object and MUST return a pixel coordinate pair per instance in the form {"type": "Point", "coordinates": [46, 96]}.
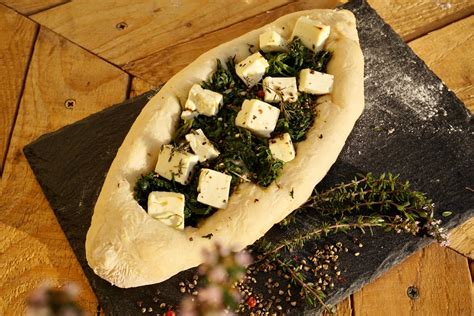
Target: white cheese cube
{"type": "Point", "coordinates": [278, 88]}
{"type": "Point", "coordinates": [252, 69]}
{"type": "Point", "coordinates": [282, 147]}
{"type": "Point", "coordinates": [175, 164]}
{"type": "Point", "coordinates": [258, 117]}
{"type": "Point", "coordinates": [315, 82]}
{"type": "Point", "coordinates": [313, 34]}
{"type": "Point", "coordinates": [213, 188]}
{"type": "Point", "coordinates": [187, 115]}
{"type": "Point", "coordinates": [201, 146]}
{"type": "Point", "coordinates": [167, 207]}
{"type": "Point", "coordinates": [271, 41]}
{"type": "Point", "coordinates": [204, 101]}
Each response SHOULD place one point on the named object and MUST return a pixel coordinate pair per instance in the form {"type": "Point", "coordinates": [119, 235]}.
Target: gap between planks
{"type": "Point", "coordinates": [29, 7]}
{"type": "Point", "coordinates": [17, 107]}
{"type": "Point", "coordinates": [440, 26]}
{"type": "Point", "coordinates": [23, 28]}
{"type": "Point", "coordinates": [36, 246]}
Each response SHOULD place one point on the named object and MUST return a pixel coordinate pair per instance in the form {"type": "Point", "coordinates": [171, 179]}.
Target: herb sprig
{"type": "Point", "coordinates": [365, 203]}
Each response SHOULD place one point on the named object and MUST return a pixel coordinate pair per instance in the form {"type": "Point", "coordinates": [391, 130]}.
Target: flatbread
{"type": "Point", "coordinates": [128, 248]}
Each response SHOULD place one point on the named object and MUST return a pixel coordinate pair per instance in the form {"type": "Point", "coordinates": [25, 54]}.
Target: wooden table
{"type": "Point", "coordinates": [61, 61]}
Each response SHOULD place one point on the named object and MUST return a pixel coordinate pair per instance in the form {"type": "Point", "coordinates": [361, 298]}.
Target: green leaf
{"type": "Point", "coordinates": [447, 213]}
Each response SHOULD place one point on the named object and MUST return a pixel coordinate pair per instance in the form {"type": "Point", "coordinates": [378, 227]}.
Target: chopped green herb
{"type": "Point", "coordinates": [150, 182]}
{"type": "Point", "coordinates": [226, 82]}
{"type": "Point", "coordinates": [298, 57]}
{"type": "Point", "coordinates": [243, 155]}
{"type": "Point", "coordinates": [297, 117]}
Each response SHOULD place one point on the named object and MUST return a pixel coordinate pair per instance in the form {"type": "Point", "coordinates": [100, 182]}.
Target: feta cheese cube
{"type": "Point", "coordinates": [313, 34]}
{"type": "Point", "coordinates": [175, 164]}
{"type": "Point", "coordinates": [187, 115]}
{"type": "Point", "coordinates": [167, 207]}
{"type": "Point", "coordinates": [258, 117]}
{"type": "Point", "coordinates": [278, 88]}
{"type": "Point", "coordinates": [204, 101]}
{"type": "Point", "coordinates": [271, 41]}
{"type": "Point", "coordinates": [282, 147]}
{"type": "Point", "coordinates": [315, 82]}
{"type": "Point", "coordinates": [213, 188]}
{"type": "Point", "coordinates": [252, 69]}
{"type": "Point", "coordinates": [201, 146]}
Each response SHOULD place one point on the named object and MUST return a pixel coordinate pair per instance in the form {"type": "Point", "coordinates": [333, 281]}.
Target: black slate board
{"type": "Point", "coordinates": [412, 125]}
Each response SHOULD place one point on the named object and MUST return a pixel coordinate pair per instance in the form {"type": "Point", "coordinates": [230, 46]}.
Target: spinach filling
{"type": "Point", "coordinates": [243, 156]}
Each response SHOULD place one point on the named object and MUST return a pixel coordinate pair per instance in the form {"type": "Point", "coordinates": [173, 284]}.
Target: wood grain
{"type": "Point", "coordinates": [441, 277]}
{"type": "Point", "coordinates": [461, 238]}
{"type": "Point", "coordinates": [28, 7]}
{"type": "Point", "coordinates": [344, 308]}
{"type": "Point", "coordinates": [150, 23]}
{"type": "Point", "coordinates": [449, 52]}
{"type": "Point", "coordinates": [33, 247]}
{"type": "Point", "coordinates": [16, 43]}
{"type": "Point", "coordinates": [140, 86]}
{"type": "Point", "coordinates": [148, 26]}
{"type": "Point", "coordinates": [158, 67]}
{"type": "Point", "coordinates": [161, 65]}
{"type": "Point", "coordinates": [413, 18]}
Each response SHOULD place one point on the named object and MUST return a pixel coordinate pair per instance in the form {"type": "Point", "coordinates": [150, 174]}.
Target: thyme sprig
{"type": "Point", "coordinates": [300, 279]}
{"type": "Point", "coordinates": [363, 204]}
{"type": "Point", "coordinates": [300, 238]}
{"type": "Point", "coordinates": [386, 196]}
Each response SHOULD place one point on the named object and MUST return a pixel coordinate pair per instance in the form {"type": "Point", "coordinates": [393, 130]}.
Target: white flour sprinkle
{"type": "Point", "coordinates": [444, 5]}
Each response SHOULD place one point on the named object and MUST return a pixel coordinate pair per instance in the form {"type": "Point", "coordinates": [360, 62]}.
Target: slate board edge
{"type": "Point", "coordinates": [28, 148]}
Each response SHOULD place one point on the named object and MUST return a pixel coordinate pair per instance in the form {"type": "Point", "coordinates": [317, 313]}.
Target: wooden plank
{"type": "Point", "coordinates": [33, 249]}
{"type": "Point", "coordinates": [28, 7]}
{"type": "Point", "coordinates": [344, 308]}
{"type": "Point", "coordinates": [161, 65]}
{"type": "Point", "coordinates": [121, 31]}
{"type": "Point", "coordinates": [439, 275]}
{"type": "Point", "coordinates": [413, 18]}
{"type": "Point", "coordinates": [461, 238]}
{"type": "Point", "coordinates": [16, 43]}
{"type": "Point", "coordinates": [140, 86]}
{"type": "Point", "coordinates": [449, 53]}
{"type": "Point", "coordinates": [446, 52]}
{"type": "Point", "coordinates": [148, 25]}
{"type": "Point", "coordinates": [158, 67]}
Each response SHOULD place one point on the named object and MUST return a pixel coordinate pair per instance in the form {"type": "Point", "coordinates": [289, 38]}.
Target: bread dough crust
{"type": "Point", "coordinates": [128, 248]}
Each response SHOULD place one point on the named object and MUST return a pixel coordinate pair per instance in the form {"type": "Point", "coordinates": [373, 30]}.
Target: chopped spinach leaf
{"type": "Point", "coordinates": [298, 57]}
{"type": "Point", "coordinates": [243, 155]}
{"type": "Point", "coordinates": [297, 117]}
{"type": "Point", "coordinates": [268, 168]}
{"type": "Point", "coordinates": [150, 182]}
{"type": "Point", "coordinates": [226, 82]}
